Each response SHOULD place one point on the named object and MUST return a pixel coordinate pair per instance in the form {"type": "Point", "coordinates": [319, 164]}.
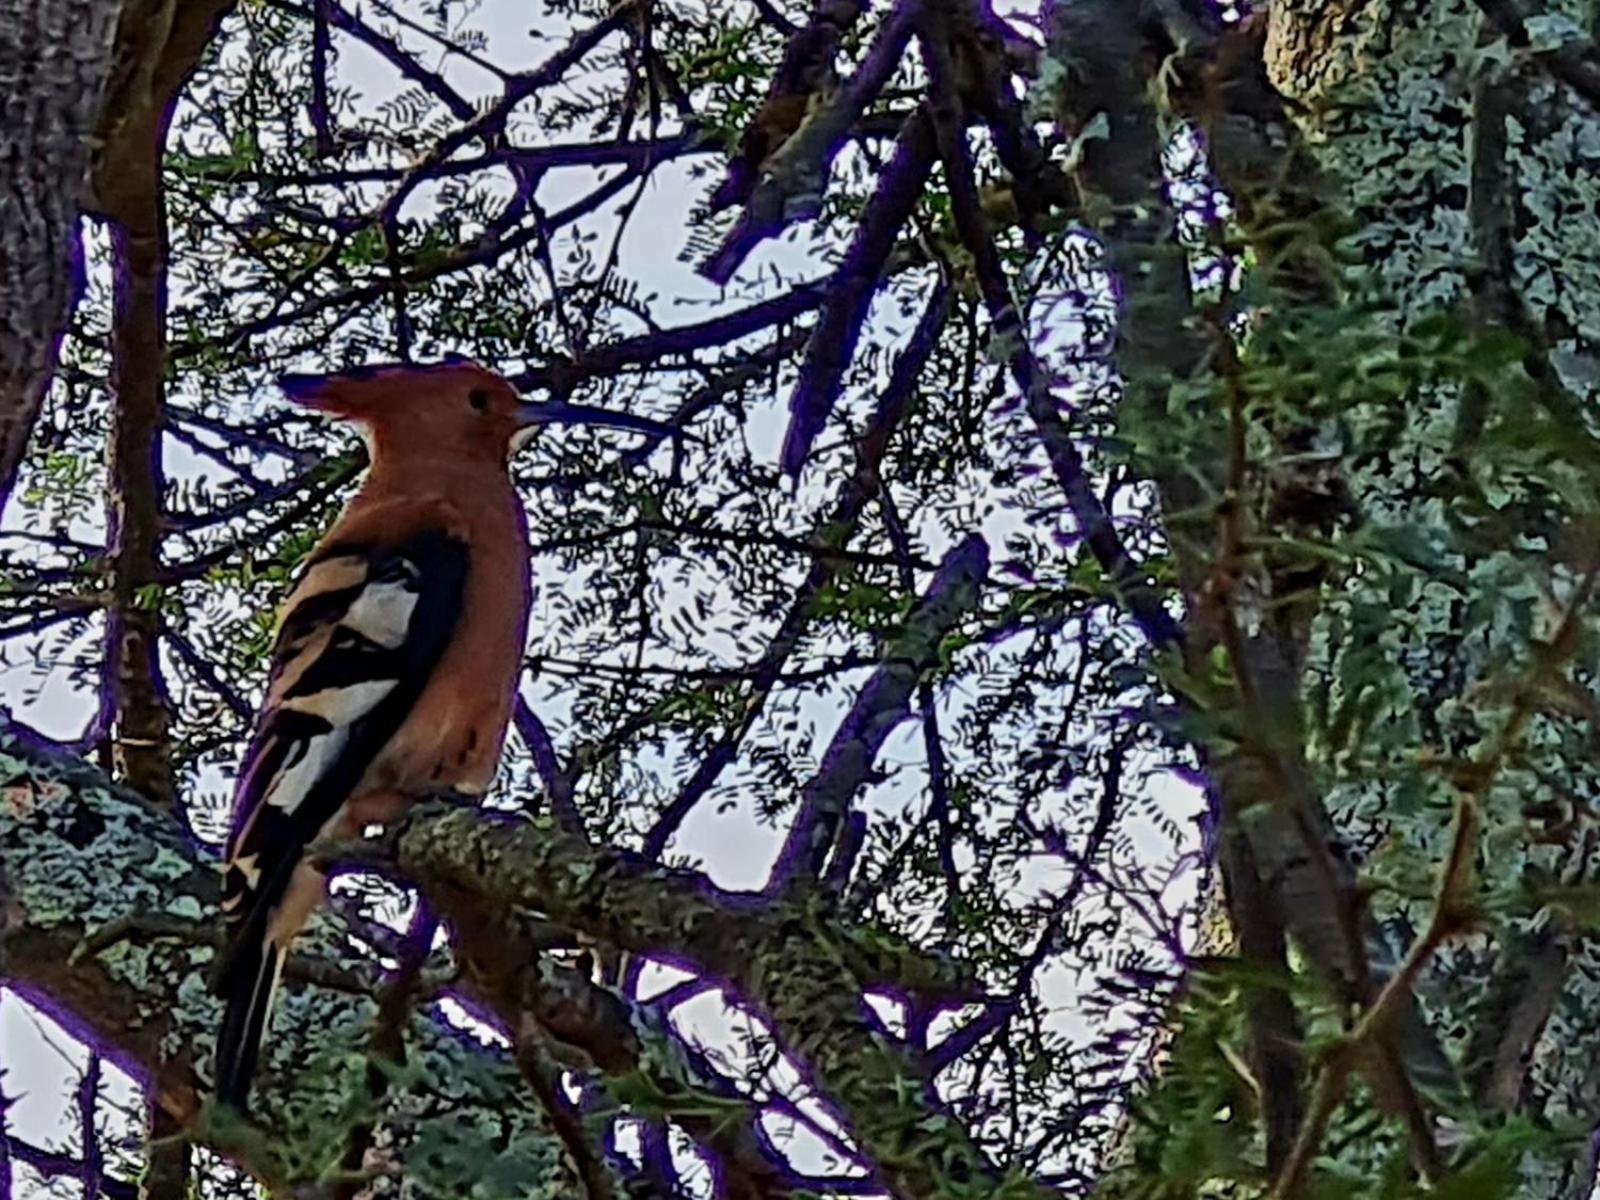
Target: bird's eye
{"type": "Point", "coordinates": [478, 398]}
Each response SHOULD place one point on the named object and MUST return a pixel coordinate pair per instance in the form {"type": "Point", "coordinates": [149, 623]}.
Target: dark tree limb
{"type": "Point", "coordinates": [1144, 602]}
{"type": "Point", "coordinates": [160, 46]}
{"type": "Point", "coordinates": [52, 1164]}
{"type": "Point", "coordinates": [584, 1153]}
{"type": "Point", "coordinates": [881, 705]}
{"type": "Point", "coordinates": [598, 361]}
{"type": "Point", "coordinates": [805, 70]}
{"type": "Point", "coordinates": [1575, 63]}
{"type": "Point", "coordinates": [344, 21]}
{"type": "Point", "coordinates": [321, 52]}
{"type": "Point", "coordinates": [140, 714]}
{"type": "Point", "coordinates": [794, 178]}
{"type": "Point", "coordinates": [855, 283]}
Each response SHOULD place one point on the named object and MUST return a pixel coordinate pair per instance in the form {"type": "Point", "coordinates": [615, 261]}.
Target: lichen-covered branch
{"type": "Point", "coordinates": [804, 969]}
{"type": "Point", "coordinates": [139, 993]}
{"type": "Point", "coordinates": [142, 1000]}
{"type": "Point", "coordinates": [136, 990]}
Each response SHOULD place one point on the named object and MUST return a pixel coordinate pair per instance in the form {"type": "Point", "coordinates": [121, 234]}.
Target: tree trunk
{"type": "Point", "coordinates": [56, 60]}
{"type": "Point", "coordinates": [1459, 151]}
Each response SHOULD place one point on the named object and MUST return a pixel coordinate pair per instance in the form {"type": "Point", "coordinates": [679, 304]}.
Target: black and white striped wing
{"type": "Point", "coordinates": [361, 633]}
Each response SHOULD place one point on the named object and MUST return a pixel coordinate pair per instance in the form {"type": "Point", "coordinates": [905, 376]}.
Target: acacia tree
{"type": "Point", "coordinates": [1133, 544]}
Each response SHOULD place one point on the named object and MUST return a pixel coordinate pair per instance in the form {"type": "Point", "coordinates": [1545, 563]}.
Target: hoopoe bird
{"type": "Point", "coordinates": [397, 655]}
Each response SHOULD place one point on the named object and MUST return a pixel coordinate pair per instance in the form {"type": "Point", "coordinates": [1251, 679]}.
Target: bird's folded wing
{"type": "Point", "coordinates": [361, 633]}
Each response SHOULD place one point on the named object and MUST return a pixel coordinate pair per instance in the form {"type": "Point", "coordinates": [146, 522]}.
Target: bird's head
{"type": "Point", "coordinates": [455, 409]}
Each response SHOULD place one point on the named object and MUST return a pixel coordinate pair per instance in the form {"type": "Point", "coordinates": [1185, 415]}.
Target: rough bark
{"type": "Point", "coordinates": [159, 45]}
{"type": "Point", "coordinates": [1272, 851]}
{"type": "Point", "coordinates": [55, 63]}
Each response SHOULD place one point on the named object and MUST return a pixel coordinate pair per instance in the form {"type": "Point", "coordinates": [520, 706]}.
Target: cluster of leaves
{"type": "Point", "coordinates": [1444, 508]}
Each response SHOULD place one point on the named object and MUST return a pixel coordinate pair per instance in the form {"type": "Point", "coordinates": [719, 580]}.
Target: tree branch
{"type": "Point", "coordinates": [793, 179]}
{"type": "Point", "coordinates": [882, 704]}
{"type": "Point", "coordinates": [855, 283]}
{"type": "Point", "coordinates": [806, 973]}
{"type": "Point", "coordinates": [1575, 63]}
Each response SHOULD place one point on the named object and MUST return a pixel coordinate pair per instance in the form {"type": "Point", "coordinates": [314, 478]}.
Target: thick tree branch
{"type": "Point", "coordinates": [142, 1000]}
{"type": "Point", "coordinates": [805, 71]}
{"type": "Point", "coordinates": [806, 973]}
{"type": "Point", "coordinates": [855, 283]}
{"type": "Point", "coordinates": [1575, 63]}
{"type": "Point", "coordinates": [62, 831]}
{"type": "Point", "coordinates": [794, 178]}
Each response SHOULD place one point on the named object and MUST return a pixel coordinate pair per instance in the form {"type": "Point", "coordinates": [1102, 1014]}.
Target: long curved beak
{"type": "Point", "coordinates": [533, 414]}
